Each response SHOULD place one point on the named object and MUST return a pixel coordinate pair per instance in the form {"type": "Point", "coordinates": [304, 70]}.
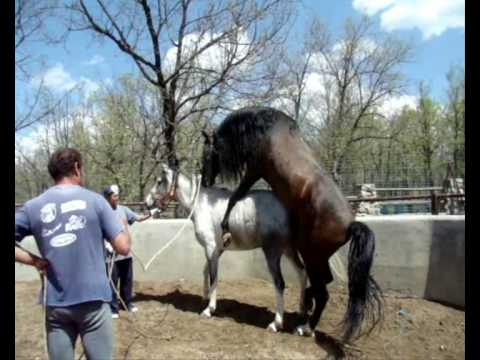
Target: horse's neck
{"type": "Point", "coordinates": [185, 191]}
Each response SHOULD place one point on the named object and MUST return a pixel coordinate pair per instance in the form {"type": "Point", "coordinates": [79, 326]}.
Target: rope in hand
{"type": "Point", "coordinates": [44, 306]}
{"type": "Point", "coordinates": [145, 267]}
{"type": "Point", "coordinates": [111, 264]}
{"type": "Point", "coordinates": [110, 271]}
{"type": "Point", "coordinates": [42, 276]}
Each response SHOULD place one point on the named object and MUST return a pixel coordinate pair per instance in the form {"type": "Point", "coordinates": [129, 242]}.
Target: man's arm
{"type": "Point", "coordinates": [27, 258]}
{"type": "Point", "coordinates": [115, 230]}
{"type": "Point", "coordinates": [144, 217]}
{"type": "Point", "coordinates": [22, 229]}
{"type": "Point", "coordinates": [122, 242]}
{"type": "Point", "coordinates": [133, 217]}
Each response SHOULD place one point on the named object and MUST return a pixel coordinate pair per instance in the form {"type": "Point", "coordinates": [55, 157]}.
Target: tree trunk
{"type": "Point", "coordinates": [170, 131]}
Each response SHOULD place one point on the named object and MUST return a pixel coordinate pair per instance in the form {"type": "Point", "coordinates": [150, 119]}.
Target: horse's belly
{"type": "Point", "coordinates": [256, 219]}
{"type": "Point", "coordinates": [244, 237]}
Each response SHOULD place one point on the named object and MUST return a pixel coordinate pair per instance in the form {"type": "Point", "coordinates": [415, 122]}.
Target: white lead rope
{"type": "Point", "coordinates": [43, 276]}
{"type": "Point", "coordinates": [44, 305]}
{"type": "Point", "coordinates": [119, 297]}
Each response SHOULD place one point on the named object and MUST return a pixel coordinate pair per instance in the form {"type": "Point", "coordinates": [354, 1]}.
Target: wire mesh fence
{"type": "Point", "coordinates": [401, 189]}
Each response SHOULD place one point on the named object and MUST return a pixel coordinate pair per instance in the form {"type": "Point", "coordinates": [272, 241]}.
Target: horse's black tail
{"type": "Point", "coordinates": [365, 300]}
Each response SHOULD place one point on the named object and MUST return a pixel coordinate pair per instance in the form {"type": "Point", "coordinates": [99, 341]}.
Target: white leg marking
{"type": "Point", "coordinates": [277, 324]}
{"type": "Point", "coordinates": [206, 312]}
{"type": "Point", "coordinates": [305, 330]}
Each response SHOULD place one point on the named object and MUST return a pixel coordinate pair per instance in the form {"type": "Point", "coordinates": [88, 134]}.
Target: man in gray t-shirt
{"type": "Point", "coordinates": [69, 224]}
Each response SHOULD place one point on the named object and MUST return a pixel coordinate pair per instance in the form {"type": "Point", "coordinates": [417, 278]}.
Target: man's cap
{"type": "Point", "coordinates": [111, 189]}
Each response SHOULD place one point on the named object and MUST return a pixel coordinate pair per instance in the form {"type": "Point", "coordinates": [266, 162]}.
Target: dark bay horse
{"type": "Point", "coordinates": [260, 142]}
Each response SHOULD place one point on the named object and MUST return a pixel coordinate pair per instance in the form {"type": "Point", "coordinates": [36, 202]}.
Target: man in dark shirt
{"type": "Point", "coordinates": [122, 269]}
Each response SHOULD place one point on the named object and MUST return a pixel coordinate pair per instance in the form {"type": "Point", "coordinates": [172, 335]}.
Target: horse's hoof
{"type": "Point", "coordinates": [275, 327]}
{"type": "Point", "coordinates": [304, 330]}
{"type": "Point", "coordinates": [207, 313]}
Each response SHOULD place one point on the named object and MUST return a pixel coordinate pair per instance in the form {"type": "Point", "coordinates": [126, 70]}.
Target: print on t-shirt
{"type": "Point", "coordinates": [48, 213]}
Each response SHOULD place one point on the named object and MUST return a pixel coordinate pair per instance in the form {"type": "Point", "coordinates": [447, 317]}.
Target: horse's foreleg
{"type": "Point", "coordinates": [213, 275]}
{"type": "Point", "coordinates": [242, 189]}
{"type": "Point", "coordinates": [206, 281]}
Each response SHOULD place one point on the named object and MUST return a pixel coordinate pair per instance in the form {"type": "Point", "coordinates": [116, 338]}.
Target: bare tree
{"type": "Point", "coordinates": [30, 26]}
{"type": "Point", "coordinates": [31, 17]}
{"type": "Point", "coordinates": [357, 71]}
{"type": "Point", "coordinates": [295, 68]}
{"type": "Point", "coordinates": [456, 116]}
{"type": "Point", "coordinates": [189, 50]}
{"type": "Point", "coordinates": [426, 140]}
{"type": "Point", "coordinates": [31, 177]}
{"type": "Point", "coordinates": [292, 85]}
{"type": "Point", "coordinates": [126, 134]}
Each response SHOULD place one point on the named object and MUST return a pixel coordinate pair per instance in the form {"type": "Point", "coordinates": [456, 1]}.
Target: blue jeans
{"type": "Point", "coordinates": [91, 320]}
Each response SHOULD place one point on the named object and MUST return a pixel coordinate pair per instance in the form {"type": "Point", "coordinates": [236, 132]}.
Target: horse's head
{"type": "Point", "coordinates": [163, 191]}
{"type": "Point", "coordinates": [210, 160]}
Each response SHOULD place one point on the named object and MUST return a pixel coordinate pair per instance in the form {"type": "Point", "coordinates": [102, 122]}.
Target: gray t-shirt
{"type": "Point", "coordinates": [69, 224]}
{"type": "Point", "coordinates": [124, 213]}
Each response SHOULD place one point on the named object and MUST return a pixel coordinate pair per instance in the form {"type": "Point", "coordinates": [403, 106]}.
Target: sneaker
{"type": "Point", "coordinates": [114, 315]}
{"type": "Point", "coordinates": [132, 308]}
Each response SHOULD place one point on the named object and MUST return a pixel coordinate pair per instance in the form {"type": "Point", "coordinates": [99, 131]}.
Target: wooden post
{"type": "Point", "coordinates": [435, 203]}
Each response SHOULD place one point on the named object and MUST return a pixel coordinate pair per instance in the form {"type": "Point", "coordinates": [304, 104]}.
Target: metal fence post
{"type": "Point", "coordinates": [435, 204]}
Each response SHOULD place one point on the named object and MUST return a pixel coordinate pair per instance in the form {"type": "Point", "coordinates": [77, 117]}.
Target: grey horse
{"type": "Point", "coordinates": [259, 220]}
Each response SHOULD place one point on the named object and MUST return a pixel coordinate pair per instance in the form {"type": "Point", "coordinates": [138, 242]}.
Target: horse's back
{"type": "Point", "coordinates": [254, 118]}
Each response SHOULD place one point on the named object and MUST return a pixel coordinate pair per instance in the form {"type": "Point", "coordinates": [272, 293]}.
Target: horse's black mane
{"type": "Point", "coordinates": [238, 139]}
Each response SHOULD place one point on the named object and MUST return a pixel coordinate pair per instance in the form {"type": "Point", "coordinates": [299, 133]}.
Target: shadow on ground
{"type": "Point", "coordinates": [242, 313]}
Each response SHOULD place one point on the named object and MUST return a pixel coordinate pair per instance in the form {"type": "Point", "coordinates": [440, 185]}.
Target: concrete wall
{"type": "Point", "coordinates": [416, 255]}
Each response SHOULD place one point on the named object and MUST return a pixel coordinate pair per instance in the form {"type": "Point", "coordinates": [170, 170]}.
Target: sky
{"type": "Point", "coordinates": [435, 27]}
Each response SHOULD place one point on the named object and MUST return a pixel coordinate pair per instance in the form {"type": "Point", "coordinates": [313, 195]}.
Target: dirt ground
{"type": "Point", "coordinates": [169, 315]}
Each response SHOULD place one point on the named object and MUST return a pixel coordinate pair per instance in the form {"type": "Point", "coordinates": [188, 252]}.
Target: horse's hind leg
{"type": "Point", "coordinates": [273, 257]}
{"type": "Point", "coordinates": [297, 264]}
{"type": "Point", "coordinates": [319, 292]}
